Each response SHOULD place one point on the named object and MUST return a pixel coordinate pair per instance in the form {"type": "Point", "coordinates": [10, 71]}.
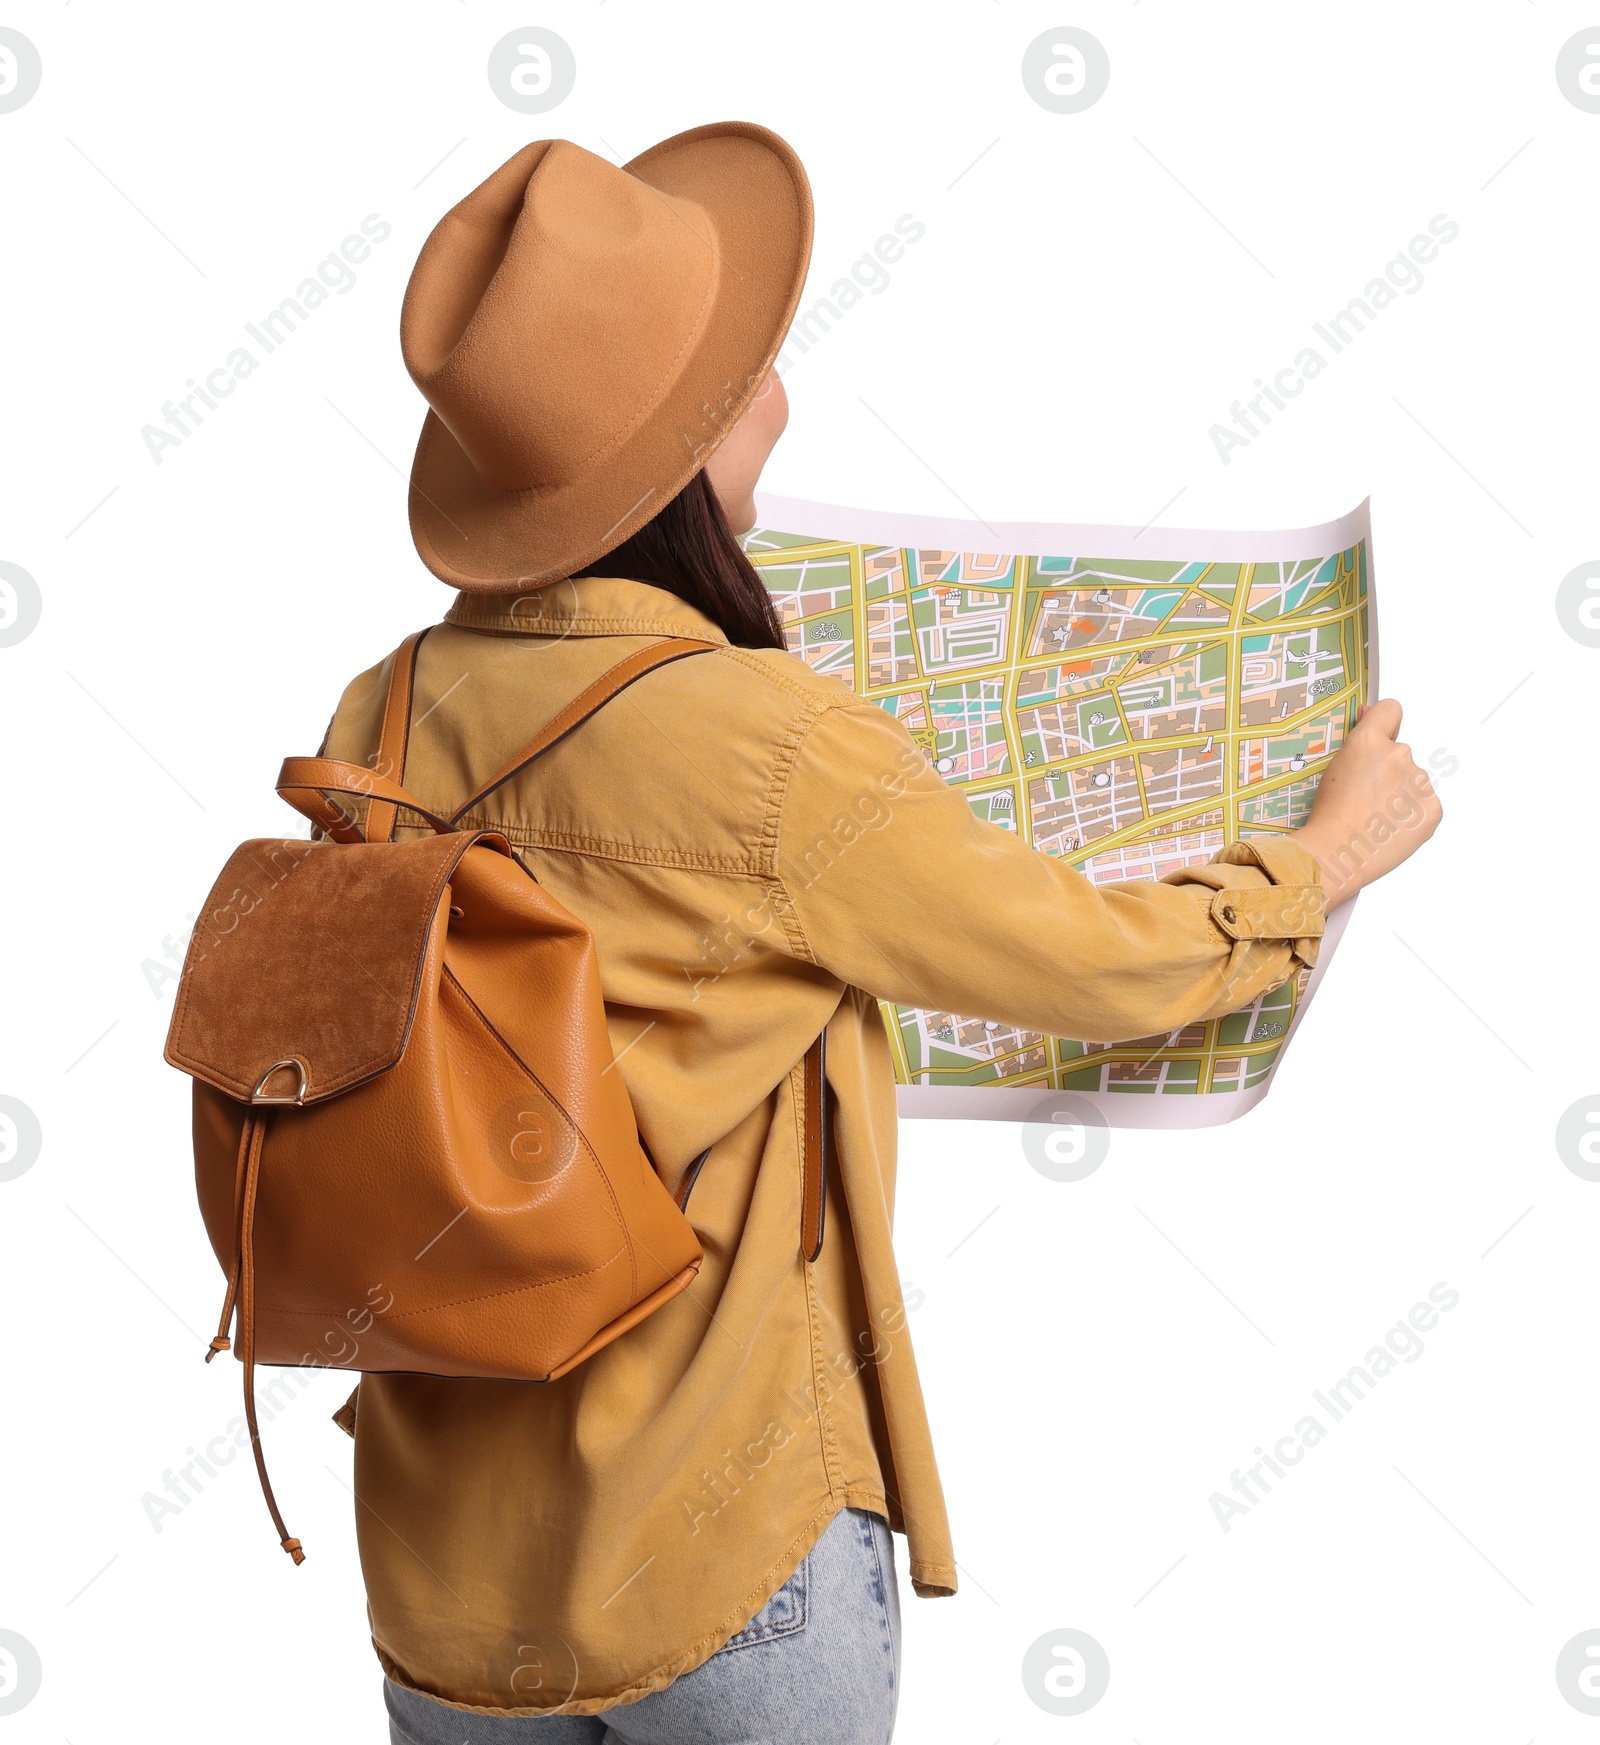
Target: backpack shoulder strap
{"type": "Point", "coordinates": [816, 1144]}
{"type": "Point", "coordinates": [394, 736]}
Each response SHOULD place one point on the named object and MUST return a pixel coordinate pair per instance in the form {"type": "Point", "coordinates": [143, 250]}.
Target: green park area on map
{"type": "Point", "coordinates": [1131, 717]}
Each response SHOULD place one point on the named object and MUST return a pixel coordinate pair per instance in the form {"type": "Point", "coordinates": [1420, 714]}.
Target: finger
{"type": "Point", "coordinates": [1381, 717]}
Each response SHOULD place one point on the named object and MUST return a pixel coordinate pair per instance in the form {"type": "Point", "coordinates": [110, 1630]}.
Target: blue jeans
{"type": "Point", "coordinates": [820, 1661]}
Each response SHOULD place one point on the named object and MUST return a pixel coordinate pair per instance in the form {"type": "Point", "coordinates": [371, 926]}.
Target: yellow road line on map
{"type": "Point", "coordinates": [1109, 652]}
{"type": "Point", "coordinates": [1011, 689]}
{"type": "Point", "coordinates": [897, 1042]}
{"type": "Point", "coordinates": [1050, 1075]}
{"type": "Point", "coordinates": [1197, 736]}
{"type": "Point", "coordinates": [1133, 753]}
{"type": "Point", "coordinates": [1241, 593]}
{"type": "Point", "coordinates": [858, 593]}
{"type": "Point", "coordinates": [1196, 809]}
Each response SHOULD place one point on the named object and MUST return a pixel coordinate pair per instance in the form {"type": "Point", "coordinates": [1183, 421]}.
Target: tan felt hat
{"type": "Point", "coordinates": [586, 336]}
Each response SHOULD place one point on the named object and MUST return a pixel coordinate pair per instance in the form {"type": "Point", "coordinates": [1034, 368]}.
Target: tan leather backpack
{"type": "Point", "coordinates": [411, 1150]}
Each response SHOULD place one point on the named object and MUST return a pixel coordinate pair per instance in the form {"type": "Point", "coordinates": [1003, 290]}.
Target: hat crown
{"type": "Point", "coordinates": [586, 336]}
{"type": "Point", "coordinates": [552, 309]}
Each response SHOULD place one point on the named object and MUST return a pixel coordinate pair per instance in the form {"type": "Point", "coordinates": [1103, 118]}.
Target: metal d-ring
{"type": "Point", "coordinates": [258, 1095]}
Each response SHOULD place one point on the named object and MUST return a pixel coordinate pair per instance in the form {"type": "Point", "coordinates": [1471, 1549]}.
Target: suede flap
{"type": "Point", "coordinates": [307, 957]}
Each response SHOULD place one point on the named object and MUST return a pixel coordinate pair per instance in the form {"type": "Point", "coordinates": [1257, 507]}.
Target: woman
{"type": "Point", "coordinates": [688, 1537]}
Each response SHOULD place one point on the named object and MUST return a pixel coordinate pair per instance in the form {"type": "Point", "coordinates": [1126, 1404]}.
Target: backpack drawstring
{"type": "Point", "coordinates": [246, 1138]}
{"type": "Point", "coordinates": [242, 1291]}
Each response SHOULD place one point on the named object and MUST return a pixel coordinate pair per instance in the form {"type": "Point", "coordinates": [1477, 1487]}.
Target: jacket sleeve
{"type": "Point", "coordinates": [894, 885]}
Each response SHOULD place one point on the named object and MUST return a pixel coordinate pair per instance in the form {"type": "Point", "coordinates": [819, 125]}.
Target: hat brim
{"type": "Point", "coordinates": [485, 540]}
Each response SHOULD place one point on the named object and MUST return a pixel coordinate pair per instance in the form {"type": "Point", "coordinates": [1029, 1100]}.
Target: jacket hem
{"type": "Point", "coordinates": [658, 1678]}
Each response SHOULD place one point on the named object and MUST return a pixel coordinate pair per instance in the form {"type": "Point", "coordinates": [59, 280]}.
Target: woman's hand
{"type": "Point", "coordinates": [1374, 807]}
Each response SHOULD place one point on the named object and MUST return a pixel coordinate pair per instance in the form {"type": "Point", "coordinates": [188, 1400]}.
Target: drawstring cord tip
{"type": "Point", "coordinates": [241, 1296]}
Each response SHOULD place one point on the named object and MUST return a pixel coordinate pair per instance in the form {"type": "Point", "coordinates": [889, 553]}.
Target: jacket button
{"type": "Point", "coordinates": [1227, 913]}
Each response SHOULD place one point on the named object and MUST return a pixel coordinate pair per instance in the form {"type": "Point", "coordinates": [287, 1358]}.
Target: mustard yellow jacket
{"type": "Point", "coordinates": [758, 855]}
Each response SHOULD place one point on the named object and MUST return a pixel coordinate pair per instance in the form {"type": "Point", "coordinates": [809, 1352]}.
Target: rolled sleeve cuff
{"type": "Point", "coordinates": [1265, 889]}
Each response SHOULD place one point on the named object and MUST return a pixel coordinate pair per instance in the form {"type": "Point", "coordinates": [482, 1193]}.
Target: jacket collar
{"type": "Point", "coordinates": [585, 606]}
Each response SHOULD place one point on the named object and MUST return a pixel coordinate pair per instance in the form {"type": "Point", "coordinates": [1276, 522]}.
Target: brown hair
{"type": "Point", "coordinates": [688, 548]}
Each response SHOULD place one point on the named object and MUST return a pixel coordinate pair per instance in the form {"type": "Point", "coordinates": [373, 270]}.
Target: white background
{"type": "Point", "coordinates": [1098, 1357]}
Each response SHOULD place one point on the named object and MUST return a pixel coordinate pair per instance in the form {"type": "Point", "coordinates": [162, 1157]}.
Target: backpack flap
{"type": "Point", "coordinates": [303, 970]}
